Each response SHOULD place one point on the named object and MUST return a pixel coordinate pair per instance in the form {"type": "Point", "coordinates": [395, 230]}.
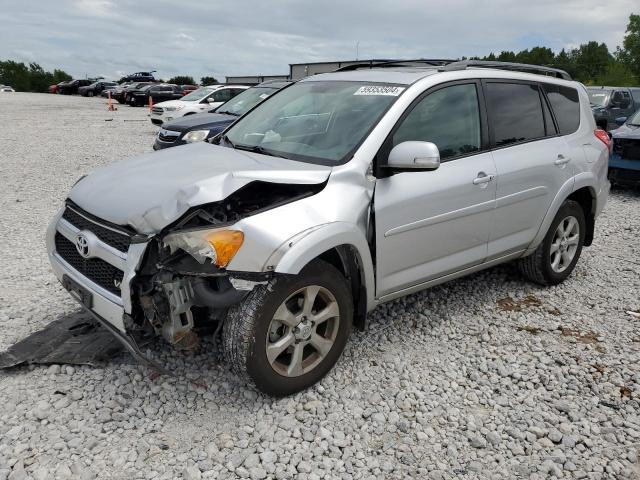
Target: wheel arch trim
{"type": "Point", "coordinates": [305, 247]}
{"type": "Point", "coordinates": [575, 183]}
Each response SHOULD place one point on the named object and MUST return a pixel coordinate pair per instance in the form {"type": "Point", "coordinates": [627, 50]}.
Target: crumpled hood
{"type": "Point", "coordinates": [626, 131]}
{"type": "Point", "coordinates": [155, 189]}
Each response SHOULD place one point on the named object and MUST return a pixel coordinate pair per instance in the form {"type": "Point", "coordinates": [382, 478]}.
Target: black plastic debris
{"type": "Point", "coordinates": [76, 339]}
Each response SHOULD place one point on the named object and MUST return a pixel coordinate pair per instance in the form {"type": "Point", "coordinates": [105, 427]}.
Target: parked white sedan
{"type": "Point", "coordinates": [204, 99]}
{"type": "Point", "coordinates": [6, 88]}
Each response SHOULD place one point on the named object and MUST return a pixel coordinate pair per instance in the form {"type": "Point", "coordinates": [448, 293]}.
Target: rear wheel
{"type": "Point", "coordinates": [286, 336]}
{"type": "Point", "coordinates": [557, 255]}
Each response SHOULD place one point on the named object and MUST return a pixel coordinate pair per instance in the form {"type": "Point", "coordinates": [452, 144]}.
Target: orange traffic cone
{"type": "Point", "coordinates": [110, 104]}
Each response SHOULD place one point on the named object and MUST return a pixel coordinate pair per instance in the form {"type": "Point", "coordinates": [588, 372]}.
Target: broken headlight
{"type": "Point", "coordinates": [195, 136]}
{"type": "Point", "coordinates": [220, 246]}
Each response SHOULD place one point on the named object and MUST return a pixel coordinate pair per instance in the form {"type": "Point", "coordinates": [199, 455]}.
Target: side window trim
{"type": "Point", "coordinates": [546, 104]}
{"type": "Point", "coordinates": [492, 144]}
{"type": "Point", "coordinates": [384, 150]}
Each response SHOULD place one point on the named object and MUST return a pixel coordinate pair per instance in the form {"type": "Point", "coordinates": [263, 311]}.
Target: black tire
{"type": "Point", "coordinates": [246, 329]}
{"type": "Point", "coordinates": [89, 93]}
{"type": "Point", "coordinates": [537, 266]}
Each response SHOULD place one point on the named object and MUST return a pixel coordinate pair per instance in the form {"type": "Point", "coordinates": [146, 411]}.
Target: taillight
{"type": "Point", "coordinates": [604, 138]}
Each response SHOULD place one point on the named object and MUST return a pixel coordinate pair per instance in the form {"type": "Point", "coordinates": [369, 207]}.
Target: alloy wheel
{"type": "Point", "coordinates": [302, 331]}
{"type": "Point", "coordinates": [565, 244]}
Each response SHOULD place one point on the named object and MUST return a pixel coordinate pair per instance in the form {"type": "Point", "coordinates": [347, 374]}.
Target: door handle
{"type": "Point", "coordinates": [561, 160]}
{"type": "Point", "coordinates": [482, 178]}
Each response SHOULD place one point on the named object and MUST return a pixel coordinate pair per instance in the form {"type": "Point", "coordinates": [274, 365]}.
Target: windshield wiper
{"type": "Point", "coordinates": [261, 150]}
{"type": "Point", "coordinates": [226, 140]}
{"type": "Point", "coordinates": [229, 113]}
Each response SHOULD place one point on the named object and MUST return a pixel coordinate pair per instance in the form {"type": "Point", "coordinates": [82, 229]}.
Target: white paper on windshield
{"type": "Point", "coordinates": [379, 90]}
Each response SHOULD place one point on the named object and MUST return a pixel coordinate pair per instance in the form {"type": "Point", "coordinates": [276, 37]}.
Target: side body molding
{"type": "Point", "coordinates": [295, 253]}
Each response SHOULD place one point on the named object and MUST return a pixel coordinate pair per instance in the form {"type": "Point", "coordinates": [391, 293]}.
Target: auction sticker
{"type": "Point", "coordinates": [379, 90]}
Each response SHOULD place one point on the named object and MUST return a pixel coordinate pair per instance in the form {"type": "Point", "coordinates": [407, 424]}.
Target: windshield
{"type": "Point", "coordinates": [599, 98]}
{"type": "Point", "coordinates": [634, 119]}
{"type": "Point", "coordinates": [314, 121]}
{"type": "Point", "coordinates": [242, 103]}
{"type": "Point", "coordinates": [197, 95]}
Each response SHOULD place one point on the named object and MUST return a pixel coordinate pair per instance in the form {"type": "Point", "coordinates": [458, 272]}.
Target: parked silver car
{"type": "Point", "coordinates": [344, 191]}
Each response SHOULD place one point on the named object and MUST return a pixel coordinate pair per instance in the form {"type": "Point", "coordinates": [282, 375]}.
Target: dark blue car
{"type": "Point", "coordinates": [624, 163]}
{"type": "Point", "coordinates": [203, 126]}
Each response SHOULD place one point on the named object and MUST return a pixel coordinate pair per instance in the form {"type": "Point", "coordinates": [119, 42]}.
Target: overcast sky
{"type": "Point", "coordinates": [251, 37]}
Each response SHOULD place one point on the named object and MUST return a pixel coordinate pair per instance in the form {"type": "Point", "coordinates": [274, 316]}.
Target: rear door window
{"type": "Point", "coordinates": [515, 112]}
{"type": "Point", "coordinates": [566, 107]}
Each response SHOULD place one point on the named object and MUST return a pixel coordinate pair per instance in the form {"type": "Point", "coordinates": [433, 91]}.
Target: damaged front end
{"type": "Point", "coordinates": [182, 287]}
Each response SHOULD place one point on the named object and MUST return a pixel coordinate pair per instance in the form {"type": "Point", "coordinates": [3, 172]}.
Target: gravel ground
{"type": "Point", "coordinates": [484, 377]}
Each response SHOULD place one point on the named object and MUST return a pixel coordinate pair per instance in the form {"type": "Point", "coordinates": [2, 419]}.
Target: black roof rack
{"type": "Point", "coordinates": [435, 62]}
{"type": "Point", "coordinates": [521, 67]}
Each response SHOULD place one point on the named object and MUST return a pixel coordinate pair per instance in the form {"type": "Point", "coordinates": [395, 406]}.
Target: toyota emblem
{"type": "Point", "coordinates": [82, 245]}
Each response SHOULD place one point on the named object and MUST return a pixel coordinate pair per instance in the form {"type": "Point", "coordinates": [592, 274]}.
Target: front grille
{"type": "Point", "coordinates": [95, 269]}
{"type": "Point", "coordinates": [119, 241]}
{"type": "Point", "coordinates": [157, 110]}
{"type": "Point", "coordinates": [627, 148]}
{"type": "Point", "coordinates": [168, 136]}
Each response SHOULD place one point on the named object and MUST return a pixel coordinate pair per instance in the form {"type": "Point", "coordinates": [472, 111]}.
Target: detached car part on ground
{"type": "Point", "coordinates": [201, 100]}
{"type": "Point", "coordinates": [624, 164]}
{"type": "Point", "coordinates": [343, 191]}
{"type": "Point", "coordinates": [204, 126]}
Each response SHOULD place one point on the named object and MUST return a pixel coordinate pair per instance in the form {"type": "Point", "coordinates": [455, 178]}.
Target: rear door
{"type": "Point", "coordinates": [532, 162]}
{"type": "Point", "coordinates": [431, 223]}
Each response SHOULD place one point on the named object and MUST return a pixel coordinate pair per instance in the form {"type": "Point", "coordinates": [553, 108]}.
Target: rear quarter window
{"type": "Point", "coordinates": [565, 104]}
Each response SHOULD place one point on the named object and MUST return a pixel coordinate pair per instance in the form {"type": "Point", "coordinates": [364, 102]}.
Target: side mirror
{"type": "Point", "coordinates": [620, 120]}
{"type": "Point", "coordinates": [414, 155]}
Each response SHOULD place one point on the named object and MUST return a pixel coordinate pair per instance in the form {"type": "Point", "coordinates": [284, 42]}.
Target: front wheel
{"type": "Point", "coordinates": [286, 335]}
{"type": "Point", "coordinates": [557, 255]}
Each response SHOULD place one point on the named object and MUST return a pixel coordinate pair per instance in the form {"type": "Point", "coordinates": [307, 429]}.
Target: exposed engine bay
{"type": "Point", "coordinates": [179, 294]}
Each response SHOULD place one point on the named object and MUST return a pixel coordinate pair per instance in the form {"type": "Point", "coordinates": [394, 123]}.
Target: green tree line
{"type": "Point", "coordinates": [591, 63]}
{"type": "Point", "coordinates": [29, 78]}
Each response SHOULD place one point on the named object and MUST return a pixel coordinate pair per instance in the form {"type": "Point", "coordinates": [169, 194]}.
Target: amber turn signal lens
{"type": "Point", "coordinates": [226, 243]}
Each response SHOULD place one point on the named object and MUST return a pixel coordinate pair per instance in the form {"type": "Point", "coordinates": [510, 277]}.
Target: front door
{"type": "Point", "coordinates": [431, 223]}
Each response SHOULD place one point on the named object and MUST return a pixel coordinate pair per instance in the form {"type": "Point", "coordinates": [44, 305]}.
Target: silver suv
{"type": "Point", "coordinates": [342, 191]}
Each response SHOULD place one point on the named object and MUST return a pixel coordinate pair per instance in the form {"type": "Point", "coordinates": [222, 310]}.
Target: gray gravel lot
{"type": "Point", "coordinates": [485, 377]}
